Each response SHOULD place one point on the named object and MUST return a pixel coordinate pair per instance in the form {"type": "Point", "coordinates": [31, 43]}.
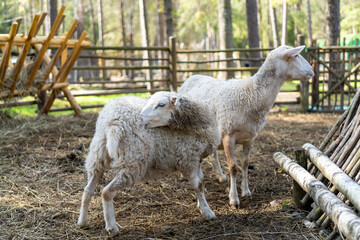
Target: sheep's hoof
{"type": "Point", "coordinates": [246, 193]}
{"type": "Point", "coordinates": [222, 179]}
{"type": "Point", "coordinates": [112, 230]}
{"type": "Point", "coordinates": [82, 223]}
{"type": "Point", "coordinates": [235, 204]}
{"type": "Point", "coordinates": [209, 215]}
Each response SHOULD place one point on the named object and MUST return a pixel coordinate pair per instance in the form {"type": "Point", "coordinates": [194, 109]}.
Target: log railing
{"type": "Point", "coordinates": [337, 165]}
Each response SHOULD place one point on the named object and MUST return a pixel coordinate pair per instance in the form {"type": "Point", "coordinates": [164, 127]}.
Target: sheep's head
{"type": "Point", "coordinates": [290, 63]}
{"type": "Point", "coordinates": [158, 110]}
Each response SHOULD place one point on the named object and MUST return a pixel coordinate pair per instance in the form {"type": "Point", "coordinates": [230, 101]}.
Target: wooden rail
{"type": "Point", "coordinates": [24, 77]}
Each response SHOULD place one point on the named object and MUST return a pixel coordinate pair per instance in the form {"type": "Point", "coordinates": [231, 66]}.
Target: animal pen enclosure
{"type": "Point", "coordinates": [34, 77]}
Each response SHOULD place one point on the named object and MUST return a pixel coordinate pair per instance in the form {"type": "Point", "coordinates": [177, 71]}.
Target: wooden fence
{"type": "Point", "coordinates": [118, 70]}
{"type": "Point", "coordinates": [122, 70]}
{"type": "Point", "coordinates": [35, 73]}
{"type": "Point", "coordinates": [336, 77]}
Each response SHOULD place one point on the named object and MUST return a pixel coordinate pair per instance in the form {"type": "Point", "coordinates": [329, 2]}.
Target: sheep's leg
{"type": "Point", "coordinates": [196, 180]}
{"type": "Point", "coordinates": [245, 191]}
{"type": "Point", "coordinates": [229, 148]}
{"type": "Point", "coordinates": [108, 194]}
{"type": "Point", "coordinates": [217, 167]}
{"type": "Point", "coordinates": [88, 192]}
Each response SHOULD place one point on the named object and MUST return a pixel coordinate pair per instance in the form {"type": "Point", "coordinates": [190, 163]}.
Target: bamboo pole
{"type": "Point", "coordinates": [45, 46]}
{"type": "Point", "coordinates": [14, 74]}
{"type": "Point", "coordinates": [58, 53]}
{"type": "Point", "coordinates": [342, 215]}
{"type": "Point", "coordinates": [55, 42]}
{"type": "Point", "coordinates": [7, 53]}
{"type": "Point", "coordinates": [61, 77]}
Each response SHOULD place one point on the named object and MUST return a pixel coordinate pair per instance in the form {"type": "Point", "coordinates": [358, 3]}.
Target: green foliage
{"type": "Point", "coordinates": [193, 20]}
{"type": "Point", "coordinates": [88, 100]}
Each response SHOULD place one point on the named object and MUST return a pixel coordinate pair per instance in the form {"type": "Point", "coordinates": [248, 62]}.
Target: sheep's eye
{"type": "Point", "coordinates": [161, 105]}
{"type": "Point", "coordinates": [297, 55]}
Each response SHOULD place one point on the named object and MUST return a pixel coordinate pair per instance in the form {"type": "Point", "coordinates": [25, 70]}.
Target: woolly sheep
{"type": "Point", "coordinates": [121, 142]}
{"type": "Point", "coordinates": [241, 106]}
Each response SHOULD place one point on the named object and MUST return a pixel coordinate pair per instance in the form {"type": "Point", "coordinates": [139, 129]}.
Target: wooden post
{"type": "Point", "coordinates": [172, 61]}
{"type": "Point", "coordinates": [304, 96]}
{"type": "Point", "coordinates": [297, 192]}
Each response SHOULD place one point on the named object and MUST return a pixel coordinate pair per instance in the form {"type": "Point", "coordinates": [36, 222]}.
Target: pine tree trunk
{"type": "Point", "coordinates": [284, 24]}
{"type": "Point", "coordinates": [253, 30]}
{"type": "Point", "coordinates": [225, 36]}
{"type": "Point", "coordinates": [332, 22]}
{"type": "Point", "coordinates": [309, 27]}
{"type": "Point", "coordinates": [145, 41]}
{"type": "Point", "coordinates": [274, 27]}
{"type": "Point", "coordinates": [169, 20]}
{"type": "Point", "coordinates": [53, 11]}
{"type": "Point", "coordinates": [332, 35]}
{"type": "Point", "coordinates": [100, 23]}
{"type": "Point", "coordinates": [92, 21]}
{"type": "Point", "coordinates": [123, 33]}
{"type": "Point", "coordinates": [160, 35]}
{"type": "Point", "coordinates": [131, 38]}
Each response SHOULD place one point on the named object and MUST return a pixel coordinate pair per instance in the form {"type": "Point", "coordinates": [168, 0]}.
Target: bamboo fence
{"type": "Point", "coordinates": [32, 77]}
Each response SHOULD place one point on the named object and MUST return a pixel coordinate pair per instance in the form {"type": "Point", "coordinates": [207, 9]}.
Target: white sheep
{"type": "Point", "coordinates": [137, 153]}
{"type": "Point", "coordinates": [241, 106]}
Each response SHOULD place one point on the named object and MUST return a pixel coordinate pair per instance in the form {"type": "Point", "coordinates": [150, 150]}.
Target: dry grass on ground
{"type": "Point", "coordinates": [42, 178]}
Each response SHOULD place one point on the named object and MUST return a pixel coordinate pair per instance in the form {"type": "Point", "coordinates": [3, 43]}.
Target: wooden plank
{"type": "Point", "coordinates": [7, 53]}
{"type": "Point", "coordinates": [41, 21]}
{"type": "Point", "coordinates": [14, 74]}
{"type": "Point", "coordinates": [62, 49]}
{"type": "Point", "coordinates": [50, 86]}
{"type": "Point", "coordinates": [45, 46]}
{"type": "Point", "coordinates": [56, 41]}
{"type": "Point", "coordinates": [61, 77]}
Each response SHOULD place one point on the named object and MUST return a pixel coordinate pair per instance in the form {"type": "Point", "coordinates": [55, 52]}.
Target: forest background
{"type": "Point", "coordinates": [195, 23]}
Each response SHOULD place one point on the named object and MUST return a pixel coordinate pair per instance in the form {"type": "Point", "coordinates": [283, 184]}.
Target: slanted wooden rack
{"type": "Point", "coordinates": [41, 45]}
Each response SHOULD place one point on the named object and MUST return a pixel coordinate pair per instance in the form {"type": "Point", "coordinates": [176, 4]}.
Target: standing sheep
{"type": "Point", "coordinates": [241, 106]}
{"type": "Point", "coordinates": [122, 142]}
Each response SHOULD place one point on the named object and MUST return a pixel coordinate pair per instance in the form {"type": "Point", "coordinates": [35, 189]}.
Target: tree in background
{"type": "Point", "coordinates": [225, 36]}
{"type": "Point", "coordinates": [169, 20]}
{"type": "Point", "coordinates": [253, 30]}
{"type": "Point", "coordinates": [332, 22]}
{"type": "Point", "coordinates": [309, 27]}
{"type": "Point", "coordinates": [100, 23]}
{"type": "Point", "coordinates": [274, 27]}
{"type": "Point", "coordinates": [284, 29]}
{"type": "Point", "coordinates": [145, 39]}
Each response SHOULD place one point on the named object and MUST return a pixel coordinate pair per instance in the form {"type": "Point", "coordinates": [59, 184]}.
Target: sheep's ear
{"type": "Point", "coordinates": [293, 51]}
{"type": "Point", "coordinates": [174, 100]}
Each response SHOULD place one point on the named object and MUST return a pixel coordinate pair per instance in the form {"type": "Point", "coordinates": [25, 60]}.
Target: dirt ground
{"type": "Point", "coordinates": [42, 178]}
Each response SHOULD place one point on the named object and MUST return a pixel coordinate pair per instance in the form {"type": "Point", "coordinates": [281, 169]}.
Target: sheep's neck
{"type": "Point", "coordinates": [267, 83]}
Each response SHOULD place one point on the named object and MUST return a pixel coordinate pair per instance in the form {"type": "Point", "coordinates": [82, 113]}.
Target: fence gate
{"type": "Point", "coordinates": [336, 77]}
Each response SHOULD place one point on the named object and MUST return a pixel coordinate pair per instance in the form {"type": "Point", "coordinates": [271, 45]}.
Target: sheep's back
{"type": "Point", "coordinates": [201, 87]}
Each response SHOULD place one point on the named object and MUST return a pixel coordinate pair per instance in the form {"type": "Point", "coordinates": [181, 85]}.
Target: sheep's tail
{"type": "Point", "coordinates": [114, 136]}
